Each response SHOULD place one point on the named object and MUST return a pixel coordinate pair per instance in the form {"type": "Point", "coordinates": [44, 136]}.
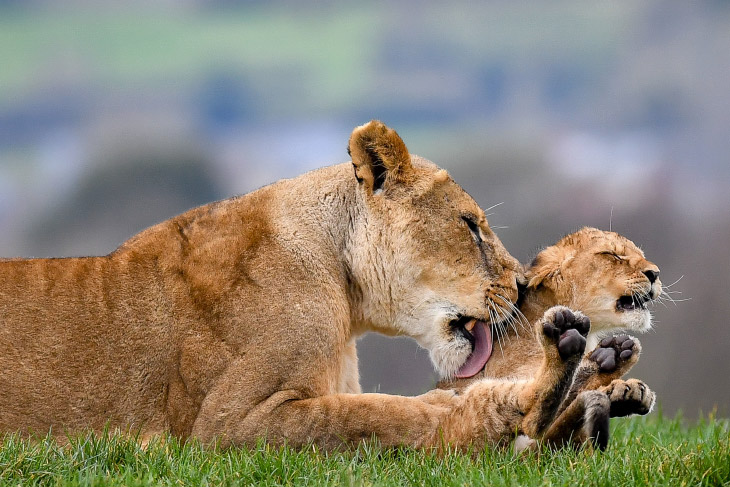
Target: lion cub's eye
{"type": "Point", "coordinates": [612, 254]}
{"type": "Point", "coordinates": [474, 228]}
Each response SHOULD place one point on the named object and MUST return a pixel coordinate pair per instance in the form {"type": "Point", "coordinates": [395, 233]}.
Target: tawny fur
{"type": "Point", "coordinates": [237, 320]}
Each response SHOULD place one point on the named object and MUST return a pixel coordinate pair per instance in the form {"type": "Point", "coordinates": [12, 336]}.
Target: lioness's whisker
{"type": "Point", "coordinates": [496, 328]}
{"type": "Point", "coordinates": [524, 323]}
{"type": "Point", "coordinates": [512, 316]}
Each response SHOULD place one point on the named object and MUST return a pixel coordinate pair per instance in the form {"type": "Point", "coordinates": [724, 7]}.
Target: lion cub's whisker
{"type": "Point", "coordinates": [493, 207]}
{"type": "Point", "coordinates": [667, 286]}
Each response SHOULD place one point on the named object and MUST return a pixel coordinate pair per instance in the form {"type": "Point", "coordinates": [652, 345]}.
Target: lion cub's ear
{"type": "Point", "coordinates": [379, 155]}
{"type": "Point", "coordinates": [547, 267]}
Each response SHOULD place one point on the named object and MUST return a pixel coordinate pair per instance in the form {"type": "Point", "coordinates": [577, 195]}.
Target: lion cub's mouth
{"type": "Point", "coordinates": [480, 336]}
{"type": "Point", "coordinates": [632, 302]}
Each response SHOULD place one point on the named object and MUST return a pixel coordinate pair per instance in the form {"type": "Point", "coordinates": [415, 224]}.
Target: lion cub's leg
{"type": "Point", "coordinates": [585, 419]}
{"type": "Point", "coordinates": [629, 397]}
{"type": "Point", "coordinates": [597, 395]}
{"type": "Point", "coordinates": [562, 334]}
{"type": "Point", "coordinates": [610, 360]}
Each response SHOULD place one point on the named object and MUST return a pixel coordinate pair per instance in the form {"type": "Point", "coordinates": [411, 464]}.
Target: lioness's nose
{"type": "Point", "coordinates": [651, 274]}
{"type": "Point", "coordinates": [521, 279]}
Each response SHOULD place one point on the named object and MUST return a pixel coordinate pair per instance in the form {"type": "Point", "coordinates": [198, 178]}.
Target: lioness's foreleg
{"type": "Point", "coordinates": [488, 413]}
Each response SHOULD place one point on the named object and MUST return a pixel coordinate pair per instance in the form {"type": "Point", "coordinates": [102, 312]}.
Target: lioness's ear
{"type": "Point", "coordinates": [379, 155]}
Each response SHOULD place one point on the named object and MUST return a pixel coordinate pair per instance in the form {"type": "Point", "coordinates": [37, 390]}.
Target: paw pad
{"type": "Point", "coordinates": [612, 351]}
{"type": "Point", "coordinates": [569, 330]}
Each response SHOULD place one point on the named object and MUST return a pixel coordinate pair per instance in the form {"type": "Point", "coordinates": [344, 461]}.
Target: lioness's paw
{"type": "Point", "coordinates": [567, 329]}
{"type": "Point", "coordinates": [629, 397]}
{"type": "Point", "coordinates": [617, 353]}
{"type": "Point", "coordinates": [438, 397]}
{"type": "Point", "coordinates": [524, 443]}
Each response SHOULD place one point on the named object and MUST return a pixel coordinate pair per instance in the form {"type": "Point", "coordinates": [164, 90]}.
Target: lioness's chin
{"type": "Point", "coordinates": [447, 357]}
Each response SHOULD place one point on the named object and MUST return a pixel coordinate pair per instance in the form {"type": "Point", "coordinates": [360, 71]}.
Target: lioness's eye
{"type": "Point", "coordinates": [474, 228]}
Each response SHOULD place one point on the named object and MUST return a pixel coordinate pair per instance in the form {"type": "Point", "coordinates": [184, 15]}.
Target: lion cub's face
{"type": "Point", "coordinates": [601, 274]}
{"type": "Point", "coordinates": [427, 262]}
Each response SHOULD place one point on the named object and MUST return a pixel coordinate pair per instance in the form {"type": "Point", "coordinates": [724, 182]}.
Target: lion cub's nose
{"type": "Point", "coordinates": [651, 275]}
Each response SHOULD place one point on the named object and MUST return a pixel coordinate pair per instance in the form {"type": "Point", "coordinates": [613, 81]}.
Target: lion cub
{"type": "Point", "coordinates": [607, 277]}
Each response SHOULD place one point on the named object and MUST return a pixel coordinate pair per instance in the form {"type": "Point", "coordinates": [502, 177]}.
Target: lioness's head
{"type": "Point", "coordinates": [602, 274]}
{"type": "Point", "coordinates": [425, 261]}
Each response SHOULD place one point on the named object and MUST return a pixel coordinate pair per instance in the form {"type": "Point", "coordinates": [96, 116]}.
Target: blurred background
{"type": "Point", "coordinates": [566, 113]}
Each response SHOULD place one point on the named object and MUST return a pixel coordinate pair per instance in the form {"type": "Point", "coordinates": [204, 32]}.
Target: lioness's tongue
{"type": "Point", "coordinates": [481, 353]}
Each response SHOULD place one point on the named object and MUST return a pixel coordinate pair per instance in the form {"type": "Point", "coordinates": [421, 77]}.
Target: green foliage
{"type": "Point", "coordinates": [654, 451]}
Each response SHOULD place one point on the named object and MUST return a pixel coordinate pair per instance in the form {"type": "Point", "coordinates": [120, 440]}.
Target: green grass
{"type": "Point", "coordinates": [654, 451]}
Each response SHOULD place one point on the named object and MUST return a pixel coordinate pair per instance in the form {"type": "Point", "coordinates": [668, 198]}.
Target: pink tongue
{"type": "Point", "coordinates": [481, 353]}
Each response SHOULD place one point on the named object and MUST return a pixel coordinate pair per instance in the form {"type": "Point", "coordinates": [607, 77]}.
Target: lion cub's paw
{"type": "Point", "coordinates": [616, 354]}
{"type": "Point", "coordinates": [629, 397]}
{"type": "Point", "coordinates": [567, 329]}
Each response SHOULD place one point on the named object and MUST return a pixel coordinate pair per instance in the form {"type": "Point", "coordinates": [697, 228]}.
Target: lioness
{"type": "Point", "coordinates": [607, 277]}
{"type": "Point", "coordinates": [237, 320]}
